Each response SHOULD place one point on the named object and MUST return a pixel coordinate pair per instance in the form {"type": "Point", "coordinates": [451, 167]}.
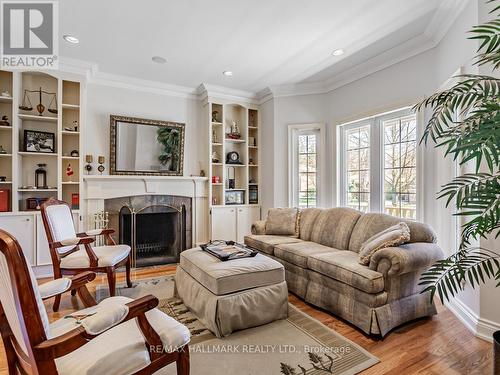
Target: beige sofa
{"type": "Point", "coordinates": [321, 266]}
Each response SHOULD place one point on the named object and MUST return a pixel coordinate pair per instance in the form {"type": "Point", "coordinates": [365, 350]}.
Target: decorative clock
{"type": "Point", "coordinates": [233, 158]}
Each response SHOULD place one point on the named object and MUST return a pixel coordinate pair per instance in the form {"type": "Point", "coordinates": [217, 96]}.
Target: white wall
{"type": "Point", "coordinates": [103, 101]}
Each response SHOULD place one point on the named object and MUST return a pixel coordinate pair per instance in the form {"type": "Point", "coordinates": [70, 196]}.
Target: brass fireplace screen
{"type": "Point", "coordinates": [156, 233]}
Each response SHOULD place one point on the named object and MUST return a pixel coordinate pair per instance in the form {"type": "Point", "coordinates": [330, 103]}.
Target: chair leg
{"type": "Point", "coordinates": [127, 272]}
{"type": "Point", "coordinates": [57, 302]}
{"type": "Point", "coordinates": [57, 299]}
{"type": "Point", "coordinates": [183, 361]}
{"type": "Point", "coordinates": [110, 271]}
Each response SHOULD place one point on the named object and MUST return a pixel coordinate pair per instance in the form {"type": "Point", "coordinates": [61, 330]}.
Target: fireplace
{"type": "Point", "coordinates": [157, 227]}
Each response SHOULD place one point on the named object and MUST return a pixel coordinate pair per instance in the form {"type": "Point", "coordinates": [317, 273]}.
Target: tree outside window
{"type": "Point", "coordinates": [400, 172]}
{"type": "Point", "coordinates": [307, 163]}
{"type": "Point", "coordinates": [358, 168]}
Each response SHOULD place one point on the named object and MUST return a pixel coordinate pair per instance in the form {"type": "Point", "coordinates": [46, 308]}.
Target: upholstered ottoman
{"type": "Point", "coordinates": [232, 295]}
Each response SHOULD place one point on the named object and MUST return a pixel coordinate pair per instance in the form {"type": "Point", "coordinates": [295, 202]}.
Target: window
{"type": "Point", "coordinates": [378, 164]}
{"type": "Point", "coordinates": [305, 145]}
{"type": "Point", "coordinates": [400, 166]}
{"type": "Point", "coordinates": [358, 168]}
{"type": "Point", "coordinates": [307, 169]}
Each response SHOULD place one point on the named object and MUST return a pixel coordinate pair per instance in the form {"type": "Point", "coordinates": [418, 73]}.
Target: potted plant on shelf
{"type": "Point", "coordinates": [465, 122]}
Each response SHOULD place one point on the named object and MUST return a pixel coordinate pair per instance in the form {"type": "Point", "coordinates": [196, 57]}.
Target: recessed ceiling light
{"type": "Point", "coordinates": [338, 52]}
{"type": "Point", "coordinates": [159, 59]}
{"type": "Point", "coordinates": [71, 39]}
{"type": "Point", "coordinates": [227, 73]}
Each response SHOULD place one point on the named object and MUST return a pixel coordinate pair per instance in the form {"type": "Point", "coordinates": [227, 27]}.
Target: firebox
{"type": "Point", "coordinates": [155, 227]}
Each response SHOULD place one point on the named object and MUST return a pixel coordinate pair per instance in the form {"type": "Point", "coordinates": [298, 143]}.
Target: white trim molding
{"type": "Point", "coordinates": [480, 327]}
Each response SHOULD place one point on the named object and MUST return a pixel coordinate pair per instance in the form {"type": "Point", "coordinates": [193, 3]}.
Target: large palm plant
{"type": "Point", "coordinates": [466, 122]}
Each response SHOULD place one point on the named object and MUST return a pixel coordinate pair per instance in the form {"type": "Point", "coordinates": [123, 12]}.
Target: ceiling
{"type": "Point", "coordinates": [265, 43]}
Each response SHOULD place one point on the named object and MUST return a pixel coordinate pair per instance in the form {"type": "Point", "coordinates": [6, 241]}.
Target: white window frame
{"type": "Point", "coordinates": [377, 159]}
{"type": "Point", "coordinates": [293, 159]}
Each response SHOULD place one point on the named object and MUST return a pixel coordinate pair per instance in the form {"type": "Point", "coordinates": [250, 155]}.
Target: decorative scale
{"type": "Point", "coordinates": [27, 106]}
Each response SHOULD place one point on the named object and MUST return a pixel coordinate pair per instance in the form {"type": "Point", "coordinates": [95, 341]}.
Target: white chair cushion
{"type": "Point", "coordinates": [120, 350]}
{"type": "Point", "coordinates": [54, 287]}
{"type": "Point", "coordinates": [61, 224]}
{"type": "Point", "coordinates": [108, 256]}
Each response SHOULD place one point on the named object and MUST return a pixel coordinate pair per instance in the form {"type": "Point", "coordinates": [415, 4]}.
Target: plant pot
{"type": "Point", "coordinates": [496, 352]}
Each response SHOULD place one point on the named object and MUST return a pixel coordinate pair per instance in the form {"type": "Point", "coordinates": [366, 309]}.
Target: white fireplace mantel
{"type": "Point", "coordinates": [97, 188]}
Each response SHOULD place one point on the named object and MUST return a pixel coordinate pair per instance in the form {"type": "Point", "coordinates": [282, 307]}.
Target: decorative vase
{"type": "Point", "coordinates": [496, 352]}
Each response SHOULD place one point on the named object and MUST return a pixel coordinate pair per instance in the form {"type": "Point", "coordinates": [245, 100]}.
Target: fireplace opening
{"type": "Point", "coordinates": [155, 233]}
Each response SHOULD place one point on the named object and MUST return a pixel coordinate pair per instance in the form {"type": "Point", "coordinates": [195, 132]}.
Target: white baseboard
{"type": "Point", "coordinates": [482, 328]}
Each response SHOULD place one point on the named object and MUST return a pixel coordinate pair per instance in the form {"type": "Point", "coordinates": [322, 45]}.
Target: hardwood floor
{"type": "Point", "coordinates": [439, 345]}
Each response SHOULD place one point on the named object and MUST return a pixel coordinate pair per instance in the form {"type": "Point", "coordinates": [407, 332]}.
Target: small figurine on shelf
{"type": "Point", "coordinates": [215, 157]}
{"type": "Point", "coordinates": [101, 161]}
{"type": "Point", "coordinates": [2, 150]}
{"type": "Point", "coordinates": [5, 121]}
{"type": "Point", "coordinates": [69, 172]}
{"type": "Point", "coordinates": [75, 125]}
{"type": "Point", "coordinates": [6, 94]}
{"type": "Point", "coordinates": [215, 138]}
{"type": "Point", "coordinates": [215, 115]}
{"type": "Point", "coordinates": [89, 159]}
{"type": "Point", "coordinates": [74, 153]}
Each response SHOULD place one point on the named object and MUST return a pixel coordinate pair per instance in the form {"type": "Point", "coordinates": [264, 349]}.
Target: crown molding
{"type": "Point", "coordinates": [211, 92]}
{"type": "Point", "coordinates": [443, 19]}
{"type": "Point", "coordinates": [137, 84]}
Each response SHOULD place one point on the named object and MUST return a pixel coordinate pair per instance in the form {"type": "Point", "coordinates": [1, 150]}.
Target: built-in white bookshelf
{"type": "Point", "coordinates": [247, 173]}
{"type": "Point", "coordinates": [18, 161]}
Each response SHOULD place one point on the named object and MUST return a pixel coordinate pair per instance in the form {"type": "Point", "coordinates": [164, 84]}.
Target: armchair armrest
{"type": "Point", "coordinates": [70, 341]}
{"type": "Point", "coordinates": [410, 257]}
{"type": "Point", "coordinates": [78, 282]}
{"type": "Point", "coordinates": [54, 287]}
{"type": "Point", "coordinates": [72, 242]}
{"type": "Point", "coordinates": [100, 232]}
{"type": "Point", "coordinates": [259, 227]}
{"type": "Point", "coordinates": [95, 232]}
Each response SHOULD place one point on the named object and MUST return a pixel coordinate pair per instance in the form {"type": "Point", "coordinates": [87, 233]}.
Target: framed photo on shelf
{"type": "Point", "coordinates": [235, 197]}
{"type": "Point", "coordinates": [38, 141]}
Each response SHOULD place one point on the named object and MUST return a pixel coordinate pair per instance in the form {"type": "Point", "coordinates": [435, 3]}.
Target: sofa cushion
{"type": "Point", "coordinates": [282, 222]}
{"type": "Point", "coordinates": [333, 227]}
{"type": "Point", "coordinates": [393, 236]}
{"type": "Point", "coordinates": [232, 276]}
{"type": "Point", "coordinates": [307, 219]}
{"type": "Point", "coordinates": [297, 253]}
{"type": "Point", "coordinates": [343, 266]}
{"type": "Point", "coordinates": [266, 243]}
{"type": "Point", "coordinates": [372, 223]}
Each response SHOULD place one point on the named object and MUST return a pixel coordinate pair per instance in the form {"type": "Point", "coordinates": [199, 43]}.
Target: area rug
{"type": "Point", "coordinates": [299, 345]}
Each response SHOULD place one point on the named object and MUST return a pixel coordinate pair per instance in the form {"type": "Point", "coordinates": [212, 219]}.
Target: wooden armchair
{"type": "Point", "coordinates": [68, 257]}
{"type": "Point", "coordinates": [117, 336]}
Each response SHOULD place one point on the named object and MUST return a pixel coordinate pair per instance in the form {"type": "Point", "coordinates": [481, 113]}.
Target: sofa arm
{"type": "Point", "coordinates": [259, 227]}
{"type": "Point", "coordinates": [410, 257]}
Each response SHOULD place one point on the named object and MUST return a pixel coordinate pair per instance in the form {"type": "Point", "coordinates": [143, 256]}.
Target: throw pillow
{"type": "Point", "coordinates": [393, 236]}
{"type": "Point", "coordinates": [282, 221]}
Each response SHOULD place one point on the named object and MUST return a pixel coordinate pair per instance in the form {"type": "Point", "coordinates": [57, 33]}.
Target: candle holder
{"type": "Point", "coordinates": [101, 160]}
{"type": "Point", "coordinates": [89, 159]}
